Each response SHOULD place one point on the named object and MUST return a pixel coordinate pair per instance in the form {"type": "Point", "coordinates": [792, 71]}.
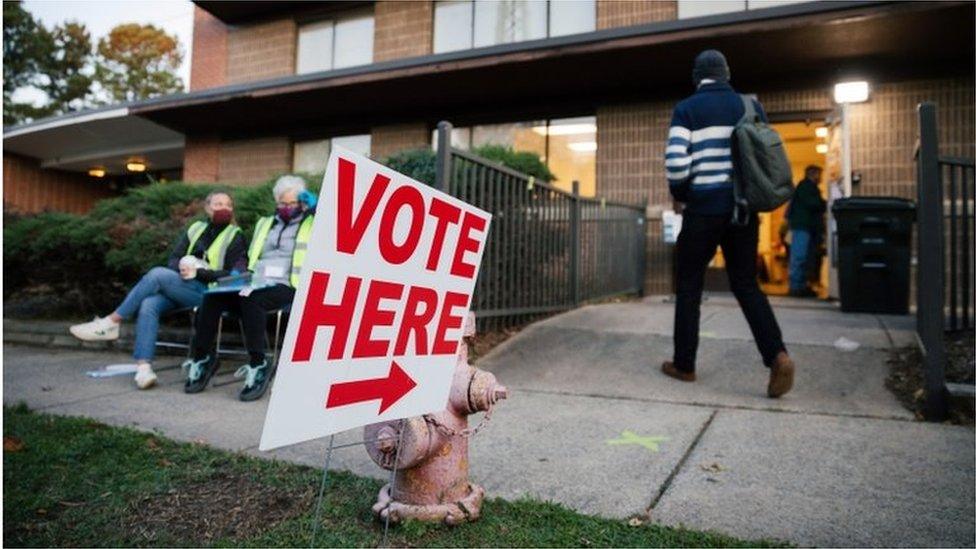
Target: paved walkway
{"type": "Point", "coordinates": [591, 423]}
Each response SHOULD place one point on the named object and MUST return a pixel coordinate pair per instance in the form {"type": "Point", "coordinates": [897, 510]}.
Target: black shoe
{"type": "Point", "coordinates": [257, 378]}
{"type": "Point", "coordinates": [803, 292]}
{"type": "Point", "coordinates": [198, 373]}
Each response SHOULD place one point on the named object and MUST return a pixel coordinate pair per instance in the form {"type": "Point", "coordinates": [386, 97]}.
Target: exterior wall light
{"type": "Point", "coordinates": [135, 166]}
{"type": "Point", "coordinates": [851, 92]}
{"type": "Point", "coordinates": [821, 132]}
{"type": "Point", "coordinates": [822, 148]}
{"type": "Point", "coordinates": [97, 172]}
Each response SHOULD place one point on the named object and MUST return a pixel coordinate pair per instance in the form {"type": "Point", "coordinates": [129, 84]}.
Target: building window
{"type": "Point", "coordinates": [464, 24]}
{"type": "Point", "coordinates": [335, 43]}
{"type": "Point", "coordinates": [571, 17]}
{"type": "Point", "coordinates": [312, 156]}
{"type": "Point", "coordinates": [566, 145]}
{"type": "Point", "coordinates": [701, 8]}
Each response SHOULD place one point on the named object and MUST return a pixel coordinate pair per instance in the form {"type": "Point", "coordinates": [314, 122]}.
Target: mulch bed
{"type": "Point", "coordinates": [225, 506]}
{"type": "Point", "coordinates": [907, 380]}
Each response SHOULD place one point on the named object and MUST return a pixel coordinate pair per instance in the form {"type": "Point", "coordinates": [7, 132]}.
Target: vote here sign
{"type": "Point", "coordinates": [377, 317]}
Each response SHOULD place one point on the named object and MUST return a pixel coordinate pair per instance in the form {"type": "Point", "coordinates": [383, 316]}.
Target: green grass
{"type": "Point", "coordinates": [76, 482]}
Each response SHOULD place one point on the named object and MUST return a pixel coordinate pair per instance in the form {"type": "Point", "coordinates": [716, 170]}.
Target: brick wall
{"type": "Point", "coordinates": [403, 29]}
{"type": "Point", "coordinates": [29, 189]}
{"type": "Point", "coordinates": [261, 51]}
{"type": "Point", "coordinates": [387, 140]}
{"type": "Point", "coordinates": [254, 161]}
{"type": "Point", "coordinates": [623, 13]}
{"type": "Point", "coordinates": [208, 67]}
{"type": "Point", "coordinates": [201, 159]}
{"type": "Point", "coordinates": [631, 140]}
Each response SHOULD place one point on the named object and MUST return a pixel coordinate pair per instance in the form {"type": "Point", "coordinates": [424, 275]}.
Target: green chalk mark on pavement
{"type": "Point", "coordinates": [630, 437]}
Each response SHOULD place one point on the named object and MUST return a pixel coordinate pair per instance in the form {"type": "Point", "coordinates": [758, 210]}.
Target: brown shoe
{"type": "Point", "coordinates": [780, 376]}
{"type": "Point", "coordinates": [669, 370]}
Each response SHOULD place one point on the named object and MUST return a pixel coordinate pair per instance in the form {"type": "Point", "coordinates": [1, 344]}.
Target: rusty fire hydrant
{"type": "Point", "coordinates": [432, 470]}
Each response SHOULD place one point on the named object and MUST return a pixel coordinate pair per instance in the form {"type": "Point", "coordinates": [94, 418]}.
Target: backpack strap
{"type": "Point", "coordinates": [750, 110]}
{"type": "Point", "coordinates": [740, 209]}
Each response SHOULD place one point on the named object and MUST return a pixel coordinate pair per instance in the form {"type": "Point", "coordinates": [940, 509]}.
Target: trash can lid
{"type": "Point", "coordinates": [872, 203]}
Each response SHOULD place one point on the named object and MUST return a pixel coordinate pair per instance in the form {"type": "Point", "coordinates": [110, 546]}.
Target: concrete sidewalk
{"type": "Point", "coordinates": [836, 462]}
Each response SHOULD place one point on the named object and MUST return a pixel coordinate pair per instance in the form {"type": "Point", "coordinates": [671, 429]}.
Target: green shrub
{"type": "Point", "coordinates": [528, 163]}
{"type": "Point", "coordinates": [88, 262]}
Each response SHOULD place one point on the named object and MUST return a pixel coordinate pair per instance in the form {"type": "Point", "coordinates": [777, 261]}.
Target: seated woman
{"type": "Point", "coordinates": [276, 254]}
{"type": "Point", "coordinates": [218, 242]}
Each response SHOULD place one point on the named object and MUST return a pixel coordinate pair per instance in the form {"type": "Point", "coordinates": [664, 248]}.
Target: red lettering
{"type": "Point", "coordinates": [411, 198]}
{"type": "Point", "coordinates": [448, 321]}
{"type": "Point", "coordinates": [349, 229]}
{"type": "Point", "coordinates": [466, 244]}
{"type": "Point", "coordinates": [374, 316]}
{"type": "Point", "coordinates": [415, 321]}
{"type": "Point", "coordinates": [445, 214]}
{"type": "Point", "coordinates": [317, 314]}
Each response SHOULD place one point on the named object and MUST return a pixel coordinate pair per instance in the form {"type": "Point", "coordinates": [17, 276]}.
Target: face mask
{"type": "Point", "coordinates": [222, 216]}
{"type": "Point", "coordinates": [286, 213]}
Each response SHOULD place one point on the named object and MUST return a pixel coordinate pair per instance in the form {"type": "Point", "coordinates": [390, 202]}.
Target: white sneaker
{"type": "Point", "coordinates": [100, 329]}
{"type": "Point", "coordinates": [145, 377]}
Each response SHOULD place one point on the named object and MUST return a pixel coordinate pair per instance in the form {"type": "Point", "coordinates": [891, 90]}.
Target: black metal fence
{"type": "Point", "coordinates": [945, 216]}
{"type": "Point", "coordinates": [548, 250]}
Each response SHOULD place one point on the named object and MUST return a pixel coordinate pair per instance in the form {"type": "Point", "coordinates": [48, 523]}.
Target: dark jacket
{"type": "Point", "coordinates": [698, 157]}
{"type": "Point", "coordinates": [236, 258]}
{"type": "Point", "coordinates": [807, 207]}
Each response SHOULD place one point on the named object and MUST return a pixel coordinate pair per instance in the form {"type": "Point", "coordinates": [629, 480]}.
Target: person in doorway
{"type": "Point", "coordinates": [698, 162]}
{"type": "Point", "coordinates": [206, 251]}
{"type": "Point", "coordinates": [805, 217]}
{"type": "Point", "coordinates": [276, 255]}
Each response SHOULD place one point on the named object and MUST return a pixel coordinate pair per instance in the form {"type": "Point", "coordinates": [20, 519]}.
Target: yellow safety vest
{"type": "Point", "coordinates": [261, 231]}
{"type": "Point", "coordinates": [217, 252]}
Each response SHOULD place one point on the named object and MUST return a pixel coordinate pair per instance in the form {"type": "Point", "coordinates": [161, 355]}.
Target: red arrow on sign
{"type": "Point", "coordinates": [388, 389]}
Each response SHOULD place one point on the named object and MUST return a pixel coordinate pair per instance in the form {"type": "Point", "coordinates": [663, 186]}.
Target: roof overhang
{"type": "Point", "coordinates": [104, 138]}
{"type": "Point", "coordinates": [800, 45]}
{"type": "Point", "coordinates": [235, 13]}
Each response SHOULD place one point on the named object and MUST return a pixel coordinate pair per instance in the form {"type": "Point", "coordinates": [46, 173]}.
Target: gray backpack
{"type": "Point", "coordinates": [763, 178]}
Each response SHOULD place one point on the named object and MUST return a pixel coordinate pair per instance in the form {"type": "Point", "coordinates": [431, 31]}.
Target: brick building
{"type": "Point", "coordinates": [588, 84]}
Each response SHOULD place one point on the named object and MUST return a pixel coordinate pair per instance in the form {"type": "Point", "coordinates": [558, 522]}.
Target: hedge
{"type": "Point", "coordinates": [65, 264]}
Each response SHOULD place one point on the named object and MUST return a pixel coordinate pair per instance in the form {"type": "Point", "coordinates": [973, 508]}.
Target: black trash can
{"type": "Point", "coordinates": [874, 253]}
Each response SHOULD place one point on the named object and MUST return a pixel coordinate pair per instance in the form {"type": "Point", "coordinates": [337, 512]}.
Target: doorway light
{"type": "Point", "coordinates": [97, 172]}
{"type": "Point", "coordinates": [821, 132]}
{"type": "Point", "coordinates": [822, 148]}
{"type": "Point", "coordinates": [851, 92]}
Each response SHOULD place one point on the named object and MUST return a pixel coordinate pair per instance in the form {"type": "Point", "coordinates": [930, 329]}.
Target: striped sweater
{"type": "Point", "coordinates": [698, 157]}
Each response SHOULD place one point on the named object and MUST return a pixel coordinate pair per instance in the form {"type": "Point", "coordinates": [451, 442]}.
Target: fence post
{"type": "Point", "coordinates": [442, 172]}
{"type": "Point", "coordinates": [931, 287]}
{"type": "Point", "coordinates": [574, 246]}
{"type": "Point", "coordinates": [642, 249]}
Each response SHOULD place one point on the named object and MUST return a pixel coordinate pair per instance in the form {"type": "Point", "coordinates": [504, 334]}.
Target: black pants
{"type": "Point", "coordinates": [253, 311]}
{"type": "Point", "coordinates": [699, 237]}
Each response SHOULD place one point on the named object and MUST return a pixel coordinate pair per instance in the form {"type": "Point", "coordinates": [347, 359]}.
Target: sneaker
{"type": "Point", "coordinates": [198, 373]}
{"type": "Point", "coordinates": [145, 376]}
{"type": "Point", "coordinates": [257, 377]}
{"type": "Point", "coordinates": [100, 329]}
{"type": "Point", "coordinates": [780, 376]}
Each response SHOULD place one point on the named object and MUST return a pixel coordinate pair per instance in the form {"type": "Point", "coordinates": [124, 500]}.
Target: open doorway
{"type": "Point", "coordinates": [806, 144]}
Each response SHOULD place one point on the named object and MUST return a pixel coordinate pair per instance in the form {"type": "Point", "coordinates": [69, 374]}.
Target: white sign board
{"type": "Point", "coordinates": [377, 317]}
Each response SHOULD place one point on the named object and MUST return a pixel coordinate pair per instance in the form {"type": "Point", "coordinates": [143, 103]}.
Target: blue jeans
{"type": "Point", "coordinates": [799, 252]}
{"type": "Point", "coordinates": [158, 291]}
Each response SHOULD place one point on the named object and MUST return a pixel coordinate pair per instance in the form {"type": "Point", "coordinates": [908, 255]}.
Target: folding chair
{"type": "Point", "coordinates": [188, 346]}
{"type": "Point", "coordinates": [279, 316]}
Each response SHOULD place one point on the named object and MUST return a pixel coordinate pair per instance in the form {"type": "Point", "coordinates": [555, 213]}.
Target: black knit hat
{"type": "Point", "coordinates": [710, 64]}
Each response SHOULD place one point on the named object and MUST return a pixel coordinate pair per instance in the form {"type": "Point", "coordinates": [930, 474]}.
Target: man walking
{"type": "Point", "coordinates": [806, 223]}
{"type": "Point", "coordinates": [699, 168]}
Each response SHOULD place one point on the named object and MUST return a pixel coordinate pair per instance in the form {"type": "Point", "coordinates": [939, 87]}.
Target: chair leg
{"type": "Point", "coordinates": [220, 330]}
{"type": "Point", "coordinates": [277, 340]}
